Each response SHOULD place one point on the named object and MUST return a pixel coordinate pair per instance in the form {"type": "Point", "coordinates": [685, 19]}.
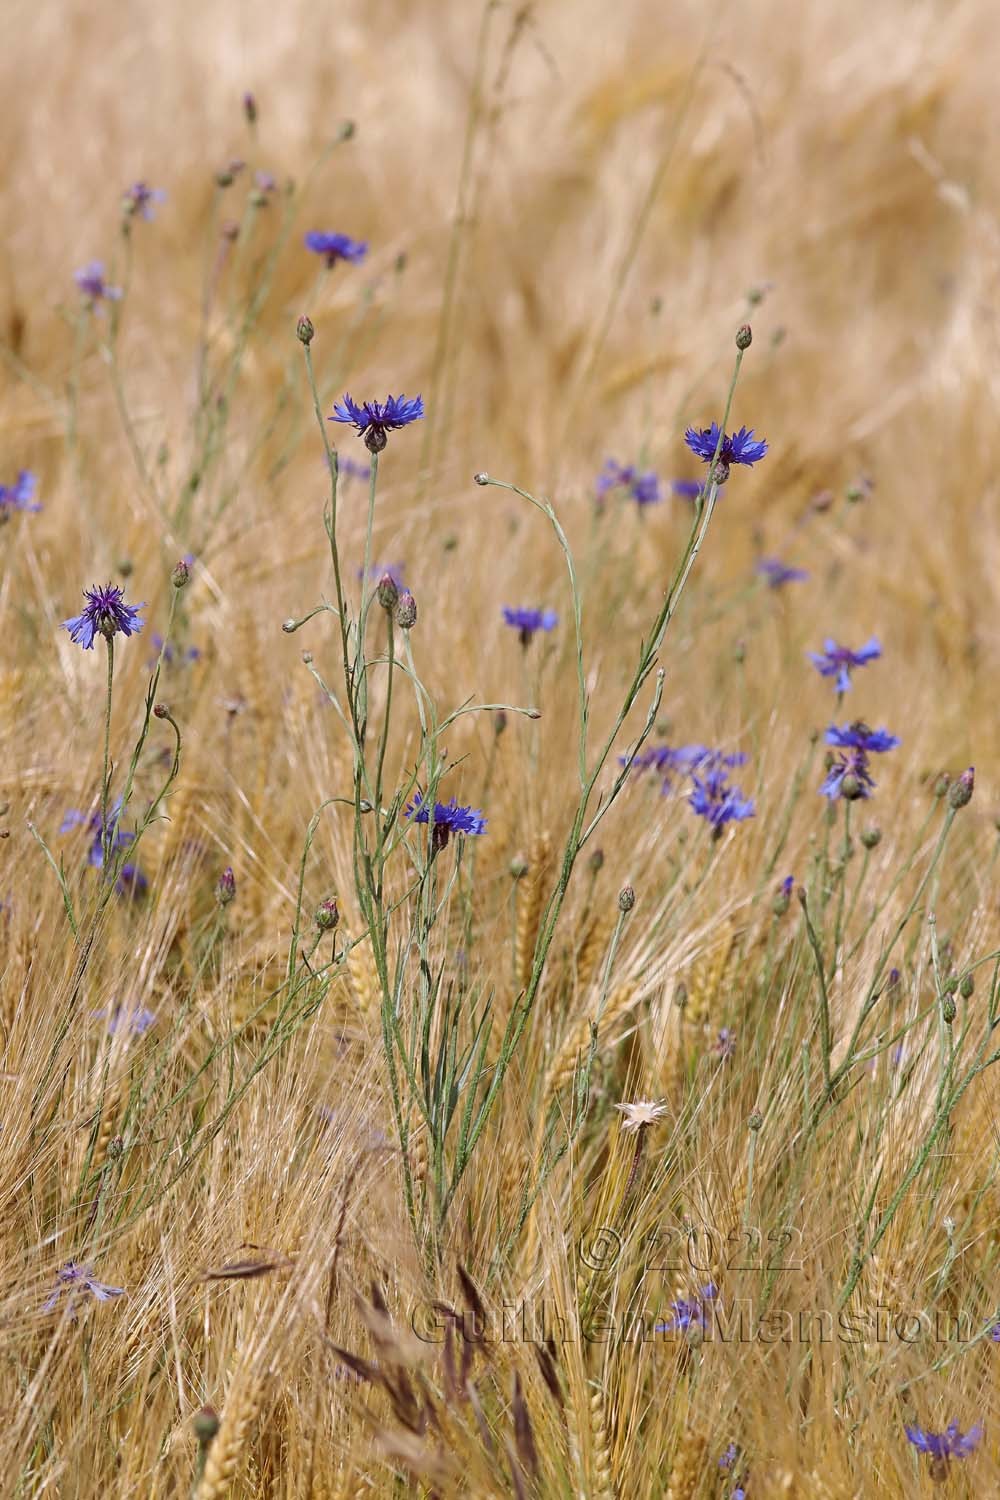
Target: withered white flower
{"type": "Point", "coordinates": [640, 1114]}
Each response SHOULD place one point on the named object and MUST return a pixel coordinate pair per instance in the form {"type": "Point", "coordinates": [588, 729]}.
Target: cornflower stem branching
{"type": "Point", "coordinates": [522, 1010]}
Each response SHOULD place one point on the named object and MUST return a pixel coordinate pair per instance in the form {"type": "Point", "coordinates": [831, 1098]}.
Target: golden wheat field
{"type": "Point", "coordinates": [453, 1052]}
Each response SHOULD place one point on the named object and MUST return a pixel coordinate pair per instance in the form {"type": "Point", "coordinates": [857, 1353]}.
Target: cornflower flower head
{"type": "Point", "coordinates": [858, 736]}
{"type": "Point", "coordinates": [849, 777]}
{"type": "Point", "coordinates": [683, 760]}
{"type": "Point", "coordinates": [105, 613]}
{"type": "Point", "coordinates": [528, 621]}
{"type": "Point", "coordinates": [689, 1312]}
{"type": "Point", "coordinates": [171, 653]}
{"type": "Point", "coordinates": [135, 1020]}
{"type": "Point", "coordinates": [644, 489]}
{"type": "Point", "coordinates": [18, 496]}
{"type": "Point", "coordinates": [837, 661]}
{"type": "Point", "coordinates": [686, 489]}
{"type": "Point", "coordinates": [642, 1113]}
{"type": "Point", "coordinates": [725, 1043]}
{"type": "Point", "coordinates": [941, 1447]}
{"type": "Point", "coordinates": [91, 282]}
{"type": "Point", "coordinates": [729, 1457]}
{"type": "Point", "coordinates": [138, 200]}
{"type": "Point", "coordinates": [334, 247]}
{"type": "Point", "coordinates": [739, 448]}
{"type": "Point", "coordinates": [73, 1278]}
{"type": "Point", "coordinates": [349, 468]}
{"type": "Point", "coordinates": [718, 802]}
{"type": "Point", "coordinates": [776, 573]}
{"type": "Point", "coordinates": [373, 420]}
{"type": "Point", "coordinates": [117, 838]}
{"type": "Point", "coordinates": [377, 571]}
{"type": "Point", "coordinates": [131, 881]}
{"type": "Point", "coordinates": [449, 818]}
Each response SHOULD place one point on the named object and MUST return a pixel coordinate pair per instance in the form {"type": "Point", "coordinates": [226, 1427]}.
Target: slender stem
{"type": "Point", "coordinates": [106, 779]}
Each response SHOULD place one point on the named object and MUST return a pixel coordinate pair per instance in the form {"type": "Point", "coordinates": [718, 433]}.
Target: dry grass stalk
{"type": "Point", "coordinates": [530, 895]}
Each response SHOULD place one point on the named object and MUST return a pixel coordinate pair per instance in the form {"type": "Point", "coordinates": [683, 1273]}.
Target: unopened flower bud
{"type": "Point", "coordinates": [205, 1424]}
{"type": "Point", "coordinates": [225, 890]}
{"type": "Point", "coordinates": [518, 867]}
{"type": "Point", "coordinates": [387, 593]}
{"type": "Point", "coordinates": [681, 996]}
{"type": "Point", "coordinates": [740, 652]}
{"type": "Point", "coordinates": [871, 837]}
{"type": "Point", "coordinates": [406, 611]}
{"type": "Point", "coordinates": [596, 862]}
{"type": "Point", "coordinates": [942, 784]}
{"type": "Point", "coordinates": [327, 914]}
{"type": "Point", "coordinates": [125, 567]}
{"type": "Point", "coordinates": [304, 330]}
{"type": "Point", "coordinates": [482, 477]}
{"type": "Point", "coordinates": [756, 1120]}
{"type": "Point", "coordinates": [948, 1010]}
{"type": "Point", "coordinates": [181, 576]}
{"type": "Point", "coordinates": [161, 711]}
{"type": "Point", "coordinates": [250, 108]}
{"type": "Point", "coordinates": [966, 986]}
{"type": "Point", "coordinates": [346, 130]}
{"type": "Point", "coordinates": [499, 721]}
{"type": "Point", "coordinates": [744, 336]}
{"type": "Point", "coordinates": [626, 898]}
{"type": "Point", "coordinates": [960, 791]}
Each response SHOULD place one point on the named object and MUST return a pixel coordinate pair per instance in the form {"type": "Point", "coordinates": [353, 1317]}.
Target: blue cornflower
{"type": "Point", "coordinates": [117, 839]}
{"type": "Point", "coordinates": [740, 448]}
{"type": "Point", "coordinates": [131, 881]}
{"type": "Point", "coordinates": [348, 468]}
{"type": "Point", "coordinates": [778, 573]}
{"type": "Point", "coordinates": [837, 661]}
{"type": "Point", "coordinates": [374, 419]}
{"type": "Point", "coordinates": [105, 613]}
{"type": "Point", "coordinates": [725, 1043]}
{"type": "Point", "coordinates": [528, 621]}
{"type": "Point", "coordinates": [135, 1019]}
{"type": "Point", "coordinates": [729, 1457]}
{"type": "Point", "coordinates": [686, 489]}
{"type": "Point", "coordinates": [72, 1278]}
{"type": "Point", "coordinates": [643, 488]}
{"type": "Point", "coordinates": [336, 247]}
{"type": "Point", "coordinates": [848, 776]}
{"type": "Point", "coordinates": [394, 571]}
{"type": "Point", "coordinates": [718, 802]}
{"type": "Point", "coordinates": [90, 280]}
{"type": "Point", "coordinates": [449, 818]}
{"type": "Point", "coordinates": [18, 496]}
{"type": "Point", "coordinates": [683, 760]}
{"type": "Point", "coordinates": [858, 736]}
{"type": "Point", "coordinates": [689, 1311]}
{"type": "Point", "coordinates": [170, 652]}
{"type": "Point", "coordinates": [942, 1446]}
{"type": "Point", "coordinates": [139, 199]}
